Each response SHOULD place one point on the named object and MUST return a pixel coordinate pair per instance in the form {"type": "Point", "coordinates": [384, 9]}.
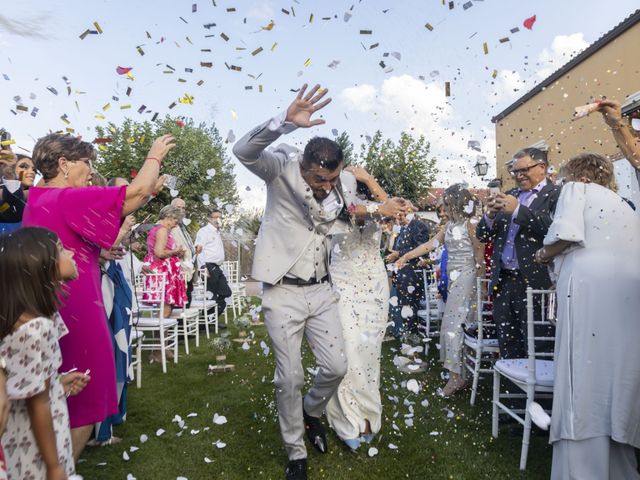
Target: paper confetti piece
{"type": "Point", "coordinates": [224, 37]}
{"type": "Point", "coordinates": [366, 32]}
{"type": "Point", "coordinates": [270, 26]}
{"type": "Point", "coordinates": [187, 99]}
{"type": "Point", "coordinates": [528, 23]}
{"type": "Point", "coordinates": [140, 51]}
{"type": "Point", "coordinates": [485, 48]}
{"type": "Point", "coordinates": [429, 27]}
{"type": "Point", "coordinates": [307, 62]}
{"type": "Point", "coordinates": [95, 24]}
{"type": "Point", "coordinates": [447, 89]}
{"type": "Point", "coordinates": [123, 70]}
{"type": "Point", "coordinates": [84, 34]}
{"type": "Point", "coordinates": [273, 47]}
{"type": "Point", "coordinates": [256, 51]}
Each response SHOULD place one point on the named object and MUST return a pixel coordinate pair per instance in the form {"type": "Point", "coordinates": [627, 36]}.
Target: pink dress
{"type": "Point", "coordinates": [85, 219]}
{"type": "Point", "coordinates": [175, 291]}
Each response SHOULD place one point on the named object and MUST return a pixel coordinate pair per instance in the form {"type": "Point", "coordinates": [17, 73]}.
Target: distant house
{"type": "Point", "coordinates": [543, 117]}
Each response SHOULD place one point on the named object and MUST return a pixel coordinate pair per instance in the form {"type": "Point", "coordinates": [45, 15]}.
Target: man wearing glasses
{"type": "Point", "coordinates": [517, 222]}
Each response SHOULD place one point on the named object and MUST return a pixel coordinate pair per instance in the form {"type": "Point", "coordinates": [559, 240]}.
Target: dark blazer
{"type": "Point", "coordinates": [414, 234]}
{"type": "Point", "coordinates": [534, 223]}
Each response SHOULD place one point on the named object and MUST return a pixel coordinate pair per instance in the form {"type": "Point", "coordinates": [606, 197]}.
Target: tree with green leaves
{"type": "Point", "coordinates": [199, 162]}
{"type": "Point", "coordinates": [404, 169]}
{"type": "Point", "coordinates": [347, 148]}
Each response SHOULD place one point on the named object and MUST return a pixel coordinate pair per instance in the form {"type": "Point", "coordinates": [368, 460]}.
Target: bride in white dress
{"type": "Point", "coordinates": [359, 275]}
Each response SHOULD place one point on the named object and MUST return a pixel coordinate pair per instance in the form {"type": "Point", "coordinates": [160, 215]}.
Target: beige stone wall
{"type": "Point", "coordinates": [614, 71]}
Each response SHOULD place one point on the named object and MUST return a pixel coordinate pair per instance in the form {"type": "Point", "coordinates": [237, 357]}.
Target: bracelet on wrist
{"type": "Point", "coordinates": [156, 159]}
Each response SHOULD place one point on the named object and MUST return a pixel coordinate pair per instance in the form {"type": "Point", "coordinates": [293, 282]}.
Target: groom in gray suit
{"type": "Point", "coordinates": [304, 200]}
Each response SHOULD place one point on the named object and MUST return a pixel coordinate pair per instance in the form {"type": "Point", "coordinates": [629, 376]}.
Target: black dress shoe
{"type": "Point", "coordinates": [296, 469]}
{"type": "Point", "coordinates": [315, 431]}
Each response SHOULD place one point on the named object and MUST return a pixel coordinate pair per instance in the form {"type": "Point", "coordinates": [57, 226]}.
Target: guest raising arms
{"type": "Point", "coordinates": [86, 219]}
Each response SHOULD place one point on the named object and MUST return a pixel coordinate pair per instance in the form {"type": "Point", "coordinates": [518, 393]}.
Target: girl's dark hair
{"type": "Point", "coordinates": [29, 276]}
{"type": "Point", "coordinates": [362, 189]}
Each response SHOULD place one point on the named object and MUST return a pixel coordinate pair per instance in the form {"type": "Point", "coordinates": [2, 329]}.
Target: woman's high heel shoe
{"type": "Point", "coordinates": [352, 443]}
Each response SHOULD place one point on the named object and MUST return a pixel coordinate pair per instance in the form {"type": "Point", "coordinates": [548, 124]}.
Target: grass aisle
{"type": "Point", "coordinates": [448, 440]}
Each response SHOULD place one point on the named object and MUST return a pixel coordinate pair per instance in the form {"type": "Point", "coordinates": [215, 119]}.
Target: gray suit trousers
{"type": "Point", "coordinates": [290, 312]}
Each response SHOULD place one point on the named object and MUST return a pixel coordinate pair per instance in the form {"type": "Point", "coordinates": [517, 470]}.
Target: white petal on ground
{"type": "Point", "coordinates": [159, 432]}
{"type": "Point", "coordinates": [143, 438]}
{"type": "Point", "coordinates": [373, 451]}
{"type": "Point", "coordinates": [125, 456]}
{"type": "Point", "coordinates": [219, 419]}
{"type": "Point", "coordinates": [393, 447]}
{"type": "Point", "coordinates": [413, 386]}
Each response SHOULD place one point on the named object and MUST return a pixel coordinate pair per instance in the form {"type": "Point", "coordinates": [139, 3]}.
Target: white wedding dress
{"type": "Point", "coordinates": [359, 276]}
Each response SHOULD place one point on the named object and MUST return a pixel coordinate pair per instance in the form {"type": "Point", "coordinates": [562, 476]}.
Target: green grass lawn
{"type": "Point", "coordinates": [462, 448]}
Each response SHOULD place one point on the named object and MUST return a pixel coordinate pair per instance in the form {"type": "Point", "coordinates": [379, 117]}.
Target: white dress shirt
{"type": "Point", "coordinates": [212, 247]}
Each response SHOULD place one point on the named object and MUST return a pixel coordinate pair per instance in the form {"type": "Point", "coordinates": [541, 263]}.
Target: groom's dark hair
{"type": "Point", "coordinates": [323, 152]}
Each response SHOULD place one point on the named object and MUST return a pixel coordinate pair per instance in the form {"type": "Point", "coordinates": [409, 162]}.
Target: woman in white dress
{"type": "Point", "coordinates": [594, 243]}
{"type": "Point", "coordinates": [465, 263]}
{"type": "Point", "coordinates": [359, 275]}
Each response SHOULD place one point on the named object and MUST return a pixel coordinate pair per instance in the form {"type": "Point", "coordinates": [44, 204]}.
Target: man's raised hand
{"type": "Point", "coordinates": [300, 111]}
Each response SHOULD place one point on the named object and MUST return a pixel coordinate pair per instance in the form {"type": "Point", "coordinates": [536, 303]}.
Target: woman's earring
{"type": "Point", "coordinates": [66, 174]}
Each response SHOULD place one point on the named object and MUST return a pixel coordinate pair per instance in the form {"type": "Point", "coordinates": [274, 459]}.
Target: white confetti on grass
{"type": "Point", "coordinates": [373, 451]}
{"type": "Point", "coordinates": [143, 438]}
{"type": "Point", "coordinates": [159, 432]}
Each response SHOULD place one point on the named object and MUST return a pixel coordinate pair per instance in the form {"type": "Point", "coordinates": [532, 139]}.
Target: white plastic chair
{"type": "Point", "coordinates": [150, 318]}
{"type": "Point", "coordinates": [532, 375]}
{"type": "Point", "coordinates": [200, 301]}
{"type": "Point", "coordinates": [479, 349]}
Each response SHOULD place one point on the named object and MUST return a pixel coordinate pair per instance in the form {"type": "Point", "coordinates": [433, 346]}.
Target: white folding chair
{"type": "Point", "coordinates": [478, 348]}
{"type": "Point", "coordinates": [149, 318]}
{"type": "Point", "coordinates": [533, 375]}
{"type": "Point", "coordinates": [203, 303]}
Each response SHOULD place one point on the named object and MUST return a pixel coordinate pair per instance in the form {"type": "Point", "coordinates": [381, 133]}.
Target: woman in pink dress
{"type": "Point", "coordinates": [164, 257]}
{"type": "Point", "coordinates": [86, 219]}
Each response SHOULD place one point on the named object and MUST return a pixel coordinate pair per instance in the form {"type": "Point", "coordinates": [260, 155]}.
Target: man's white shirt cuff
{"type": "Point", "coordinates": [278, 124]}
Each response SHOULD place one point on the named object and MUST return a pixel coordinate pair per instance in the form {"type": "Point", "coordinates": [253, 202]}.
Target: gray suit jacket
{"type": "Point", "coordinates": [289, 219]}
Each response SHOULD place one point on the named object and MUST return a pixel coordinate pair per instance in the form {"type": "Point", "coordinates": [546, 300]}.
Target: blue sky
{"type": "Point", "coordinates": [365, 97]}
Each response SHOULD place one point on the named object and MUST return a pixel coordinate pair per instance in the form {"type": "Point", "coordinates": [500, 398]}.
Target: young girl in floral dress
{"type": "Point", "coordinates": [37, 439]}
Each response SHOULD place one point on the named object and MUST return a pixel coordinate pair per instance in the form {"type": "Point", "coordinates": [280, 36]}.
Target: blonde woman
{"type": "Point", "coordinates": [593, 242]}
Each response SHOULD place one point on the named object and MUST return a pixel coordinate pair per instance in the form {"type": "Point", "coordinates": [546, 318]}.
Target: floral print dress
{"type": "Point", "coordinates": [33, 356]}
{"type": "Point", "coordinates": [175, 290]}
